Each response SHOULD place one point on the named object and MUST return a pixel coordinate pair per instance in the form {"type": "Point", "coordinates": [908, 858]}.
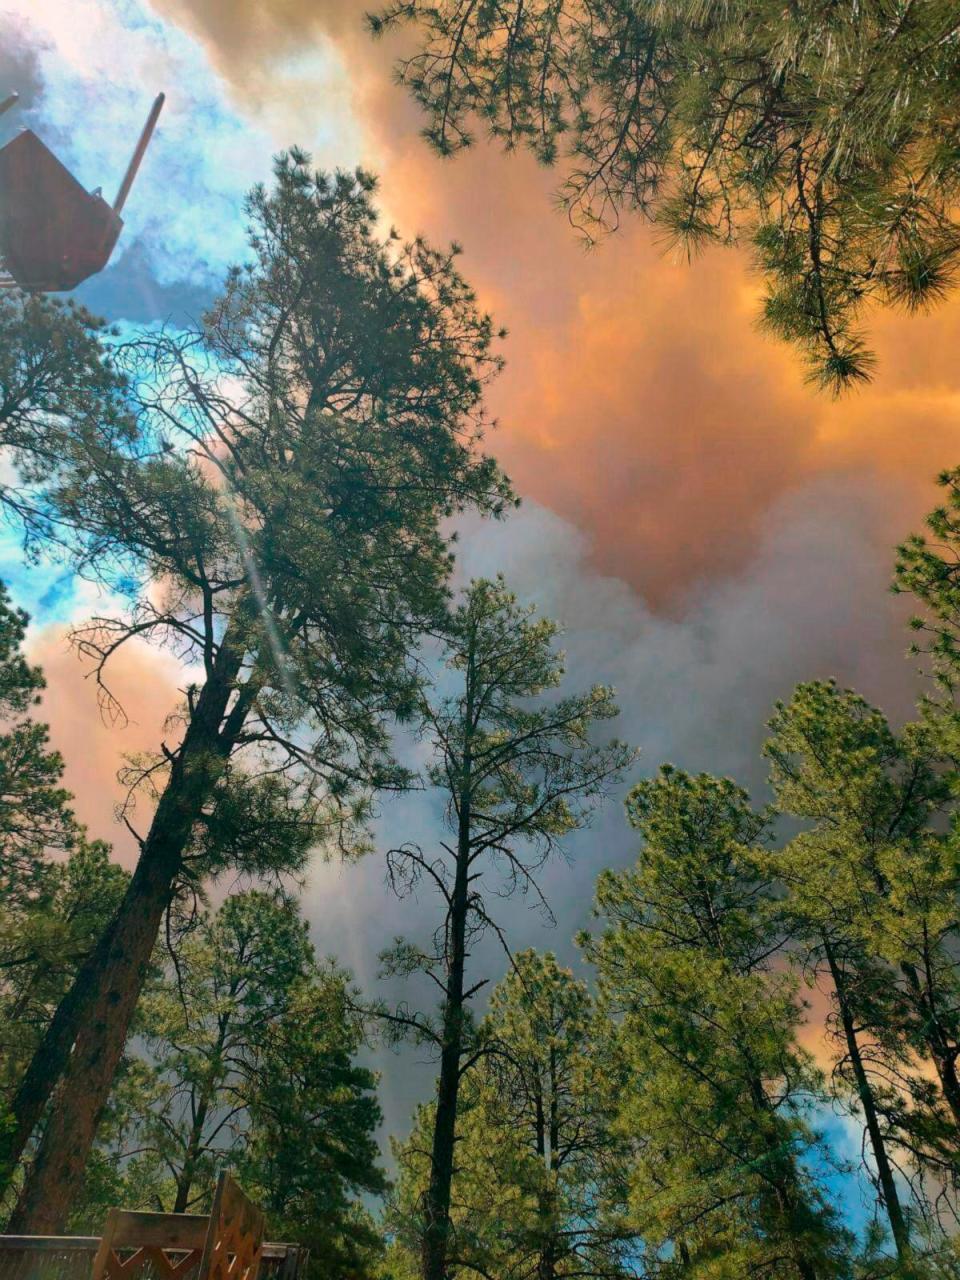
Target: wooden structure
{"type": "Point", "coordinates": [54, 234]}
{"type": "Point", "coordinates": [227, 1245]}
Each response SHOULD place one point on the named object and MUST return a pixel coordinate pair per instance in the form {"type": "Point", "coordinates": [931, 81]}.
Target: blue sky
{"type": "Point", "coordinates": [87, 75]}
{"type": "Point", "coordinates": [90, 74]}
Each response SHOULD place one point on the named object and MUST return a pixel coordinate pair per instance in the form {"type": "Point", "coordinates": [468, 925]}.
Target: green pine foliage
{"type": "Point", "coordinates": [61, 393]}
{"type": "Point", "coordinates": [538, 1185]}
{"type": "Point", "coordinates": [245, 1059]}
{"type": "Point", "coordinates": [716, 1106]}
{"type": "Point", "coordinates": [824, 136]}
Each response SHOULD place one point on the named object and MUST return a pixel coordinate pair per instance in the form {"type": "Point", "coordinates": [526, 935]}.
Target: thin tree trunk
{"type": "Point", "coordinates": [547, 1261]}
{"type": "Point", "coordinates": [888, 1186]}
{"type": "Point", "coordinates": [101, 1004]}
{"type": "Point", "coordinates": [437, 1230]}
{"type": "Point", "coordinates": [946, 1064]}
{"type": "Point", "coordinates": [939, 1046]}
{"type": "Point", "coordinates": [436, 1234]}
{"type": "Point", "coordinates": [194, 1147]}
{"type": "Point", "coordinates": [191, 1158]}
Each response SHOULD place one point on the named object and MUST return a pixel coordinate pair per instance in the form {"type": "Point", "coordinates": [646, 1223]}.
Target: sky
{"type": "Point", "coordinates": [708, 528]}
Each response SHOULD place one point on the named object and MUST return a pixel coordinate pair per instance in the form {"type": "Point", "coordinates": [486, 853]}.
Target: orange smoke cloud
{"type": "Point", "coordinates": [640, 401]}
{"type": "Point", "coordinates": [94, 749]}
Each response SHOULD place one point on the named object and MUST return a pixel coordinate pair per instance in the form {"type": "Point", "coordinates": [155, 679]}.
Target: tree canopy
{"type": "Point", "coordinates": [277, 520]}
{"type": "Point", "coordinates": [246, 1059]}
{"type": "Point", "coordinates": [822, 136]}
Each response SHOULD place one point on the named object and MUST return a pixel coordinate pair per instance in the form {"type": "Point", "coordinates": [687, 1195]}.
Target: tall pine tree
{"type": "Point", "coordinates": [518, 771]}
{"type": "Point", "coordinates": [279, 517]}
{"type": "Point", "coordinates": [717, 1104]}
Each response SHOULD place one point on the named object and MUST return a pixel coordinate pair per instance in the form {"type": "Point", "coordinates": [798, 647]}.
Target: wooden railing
{"type": "Point", "coordinates": [226, 1245]}
{"type": "Point", "coordinates": [71, 1258]}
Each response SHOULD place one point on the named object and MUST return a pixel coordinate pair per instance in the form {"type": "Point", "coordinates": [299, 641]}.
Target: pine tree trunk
{"type": "Point", "coordinates": [436, 1236]}
{"type": "Point", "coordinates": [941, 1050]}
{"type": "Point", "coordinates": [437, 1228]}
{"type": "Point", "coordinates": [946, 1064]}
{"type": "Point", "coordinates": [57, 1172]}
{"type": "Point", "coordinates": [547, 1261]}
{"type": "Point", "coordinates": [888, 1186]}
{"type": "Point", "coordinates": [50, 1059]}
{"type": "Point", "coordinates": [101, 1003]}
{"type": "Point", "coordinates": [189, 1171]}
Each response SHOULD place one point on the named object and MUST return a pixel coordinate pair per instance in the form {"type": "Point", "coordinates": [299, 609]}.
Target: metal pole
{"type": "Point", "coordinates": [142, 145]}
{"type": "Point", "coordinates": [7, 103]}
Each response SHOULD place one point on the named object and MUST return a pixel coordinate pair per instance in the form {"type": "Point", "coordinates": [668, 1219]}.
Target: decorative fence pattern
{"type": "Point", "coordinates": [227, 1245]}
{"type": "Point", "coordinates": [71, 1258]}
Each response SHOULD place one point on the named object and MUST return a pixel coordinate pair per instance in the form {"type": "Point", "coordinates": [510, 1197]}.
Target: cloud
{"type": "Point", "coordinates": [695, 690]}
{"type": "Point", "coordinates": [87, 75]}
{"type": "Point", "coordinates": [640, 401]}
{"type": "Point", "coordinates": [94, 748]}
{"type": "Point", "coordinates": [19, 69]}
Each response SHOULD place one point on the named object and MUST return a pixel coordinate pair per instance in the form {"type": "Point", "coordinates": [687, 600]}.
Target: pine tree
{"type": "Point", "coordinates": [245, 1060]}
{"type": "Point", "coordinates": [823, 136]}
{"type": "Point", "coordinates": [538, 1170]}
{"type": "Point", "coordinates": [872, 886]}
{"type": "Point", "coordinates": [717, 1101]}
{"type": "Point", "coordinates": [277, 522]}
{"type": "Point", "coordinates": [518, 772]}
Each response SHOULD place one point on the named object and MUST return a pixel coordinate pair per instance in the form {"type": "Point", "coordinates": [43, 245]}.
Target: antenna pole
{"type": "Point", "coordinates": [138, 154]}
{"type": "Point", "coordinates": [7, 103]}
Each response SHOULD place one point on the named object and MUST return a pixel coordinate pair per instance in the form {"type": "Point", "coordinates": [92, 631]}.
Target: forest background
{"type": "Point", "coordinates": [709, 529]}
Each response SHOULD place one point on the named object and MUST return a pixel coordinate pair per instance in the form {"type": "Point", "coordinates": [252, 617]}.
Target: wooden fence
{"type": "Point", "coordinates": [226, 1245]}
{"type": "Point", "coordinates": [72, 1257]}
